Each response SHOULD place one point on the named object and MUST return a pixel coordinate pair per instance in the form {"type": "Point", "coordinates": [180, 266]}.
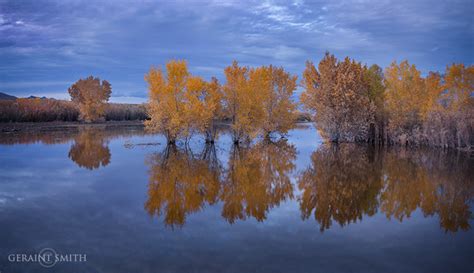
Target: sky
{"type": "Point", "coordinates": [46, 45]}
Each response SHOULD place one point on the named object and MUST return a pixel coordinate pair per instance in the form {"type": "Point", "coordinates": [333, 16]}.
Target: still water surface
{"type": "Point", "coordinates": [131, 204]}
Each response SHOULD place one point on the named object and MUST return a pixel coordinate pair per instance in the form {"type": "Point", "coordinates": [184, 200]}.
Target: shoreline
{"type": "Point", "coordinates": [52, 126]}
{"type": "Point", "coordinates": [10, 127]}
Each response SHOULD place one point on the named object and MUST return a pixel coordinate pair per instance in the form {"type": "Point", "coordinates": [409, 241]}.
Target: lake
{"type": "Point", "coordinates": [128, 203]}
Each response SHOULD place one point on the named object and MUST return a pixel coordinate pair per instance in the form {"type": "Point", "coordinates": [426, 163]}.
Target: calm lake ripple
{"type": "Point", "coordinates": [133, 204]}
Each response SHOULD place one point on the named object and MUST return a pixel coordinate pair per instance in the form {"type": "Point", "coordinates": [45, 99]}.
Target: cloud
{"type": "Point", "coordinates": [60, 40]}
{"type": "Point", "coordinates": [280, 52]}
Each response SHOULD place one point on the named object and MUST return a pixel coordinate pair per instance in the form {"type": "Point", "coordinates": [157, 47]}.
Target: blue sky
{"type": "Point", "coordinates": [45, 46]}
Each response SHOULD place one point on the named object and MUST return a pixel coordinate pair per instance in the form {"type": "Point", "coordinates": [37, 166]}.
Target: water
{"type": "Point", "coordinates": [131, 204]}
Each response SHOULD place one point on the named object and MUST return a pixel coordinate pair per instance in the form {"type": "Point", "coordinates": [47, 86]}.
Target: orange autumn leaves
{"type": "Point", "coordinates": [338, 93]}
{"type": "Point", "coordinates": [91, 95]}
{"type": "Point", "coordinates": [255, 100]}
{"type": "Point", "coordinates": [354, 103]}
{"type": "Point", "coordinates": [437, 110]}
{"type": "Point", "coordinates": [351, 102]}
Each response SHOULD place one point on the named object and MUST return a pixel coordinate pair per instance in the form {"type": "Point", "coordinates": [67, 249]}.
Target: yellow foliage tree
{"type": "Point", "coordinates": [428, 111]}
{"type": "Point", "coordinates": [276, 87]}
{"type": "Point", "coordinates": [450, 114]}
{"type": "Point", "coordinates": [242, 103]}
{"type": "Point", "coordinates": [433, 89]}
{"type": "Point", "coordinates": [337, 92]}
{"type": "Point", "coordinates": [459, 82]}
{"type": "Point", "coordinates": [406, 97]}
{"type": "Point", "coordinates": [166, 107]}
{"type": "Point", "coordinates": [374, 79]}
{"type": "Point", "coordinates": [91, 95]}
{"type": "Point", "coordinates": [181, 104]}
{"type": "Point", "coordinates": [459, 101]}
{"type": "Point", "coordinates": [195, 114]}
{"type": "Point", "coordinates": [203, 107]}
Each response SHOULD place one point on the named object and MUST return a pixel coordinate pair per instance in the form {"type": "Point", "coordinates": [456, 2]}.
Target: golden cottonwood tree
{"type": "Point", "coordinates": [459, 82]}
{"type": "Point", "coordinates": [91, 95]}
{"type": "Point", "coordinates": [181, 104]}
{"type": "Point", "coordinates": [438, 124]}
{"type": "Point", "coordinates": [450, 111]}
{"type": "Point", "coordinates": [338, 94]}
{"type": "Point", "coordinates": [166, 105]}
{"type": "Point", "coordinates": [376, 91]}
{"type": "Point", "coordinates": [276, 88]}
{"type": "Point", "coordinates": [459, 102]}
{"type": "Point", "coordinates": [203, 106]}
{"type": "Point", "coordinates": [195, 114]}
{"type": "Point", "coordinates": [436, 110]}
{"type": "Point", "coordinates": [405, 98]}
{"type": "Point", "coordinates": [242, 103]}
{"type": "Point", "coordinates": [434, 89]}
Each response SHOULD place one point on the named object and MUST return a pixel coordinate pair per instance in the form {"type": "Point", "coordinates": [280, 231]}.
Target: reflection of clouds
{"type": "Point", "coordinates": [104, 209]}
{"type": "Point", "coordinates": [337, 186]}
{"type": "Point", "coordinates": [48, 172]}
{"type": "Point", "coordinates": [38, 183]}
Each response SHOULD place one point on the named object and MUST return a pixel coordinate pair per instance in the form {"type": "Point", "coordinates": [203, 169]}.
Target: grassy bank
{"type": "Point", "coordinates": [44, 110]}
{"type": "Point", "coordinates": [8, 127]}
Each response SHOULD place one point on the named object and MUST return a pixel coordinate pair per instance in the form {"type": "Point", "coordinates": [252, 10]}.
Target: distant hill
{"type": "Point", "coordinates": [35, 97]}
{"type": "Point", "coordinates": [4, 96]}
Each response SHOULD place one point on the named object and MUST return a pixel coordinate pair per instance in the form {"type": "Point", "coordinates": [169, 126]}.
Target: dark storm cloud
{"type": "Point", "coordinates": [46, 45]}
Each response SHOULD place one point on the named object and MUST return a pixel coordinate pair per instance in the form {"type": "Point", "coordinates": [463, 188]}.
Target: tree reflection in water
{"type": "Point", "coordinates": [341, 184]}
{"type": "Point", "coordinates": [346, 182]}
{"type": "Point", "coordinates": [435, 181]}
{"type": "Point", "coordinates": [181, 183]}
{"type": "Point", "coordinates": [90, 149]}
{"type": "Point", "coordinates": [257, 179]}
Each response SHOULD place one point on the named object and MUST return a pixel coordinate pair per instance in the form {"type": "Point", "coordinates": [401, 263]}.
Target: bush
{"type": "Point", "coordinates": [119, 111]}
{"type": "Point", "coordinates": [37, 109]}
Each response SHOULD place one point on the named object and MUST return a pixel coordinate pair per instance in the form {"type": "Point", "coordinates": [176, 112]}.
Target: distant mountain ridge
{"type": "Point", "coordinates": [35, 97]}
{"type": "Point", "coordinates": [4, 96]}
